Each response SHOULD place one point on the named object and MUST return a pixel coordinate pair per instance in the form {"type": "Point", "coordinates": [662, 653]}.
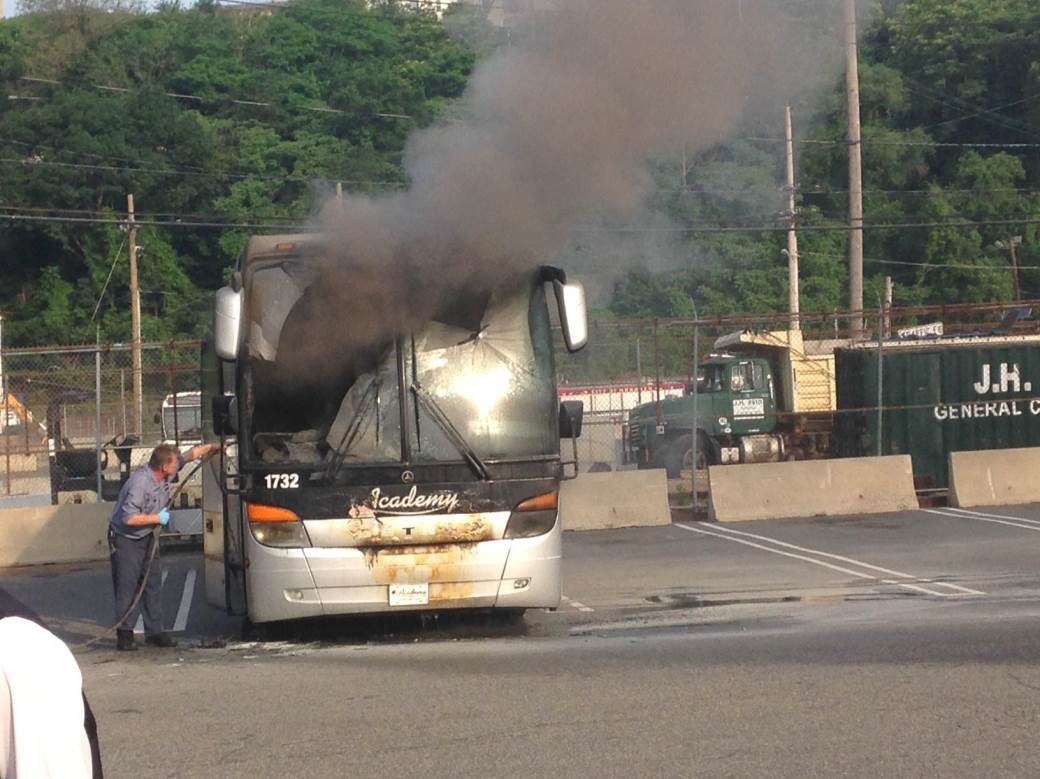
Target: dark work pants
{"type": "Point", "coordinates": [129, 557]}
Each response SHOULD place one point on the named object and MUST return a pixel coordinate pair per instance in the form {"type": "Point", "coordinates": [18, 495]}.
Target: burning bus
{"type": "Point", "coordinates": [366, 468]}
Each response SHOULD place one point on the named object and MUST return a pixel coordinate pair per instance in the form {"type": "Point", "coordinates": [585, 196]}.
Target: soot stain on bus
{"type": "Point", "coordinates": [440, 565]}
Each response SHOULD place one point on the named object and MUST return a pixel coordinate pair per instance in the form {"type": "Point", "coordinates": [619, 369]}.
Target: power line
{"type": "Point", "coordinates": [936, 265]}
{"type": "Point", "coordinates": [31, 162]}
{"type": "Point", "coordinates": [201, 99]}
{"type": "Point", "coordinates": [111, 270]}
{"type": "Point", "coordinates": [246, 3]}
{"type": "Point", "coordinates": [116, 220]}
{"type": "Point", "coordinates": [981, 113]}
{"type": "Point", "coordinates": [961, 104]}
{"type": "Point", "coordinates": [172, 215]}
{"type": "Point", "coordinates": [780, 189]}
{"type": "Point", "coordinates": [926, 144]}
{"type": "Point", "coordinates": [807, 228]}
{"type": "Point", "coordinates": [189, 170]}
{"type": "Point", "coordinates": [150, 222]}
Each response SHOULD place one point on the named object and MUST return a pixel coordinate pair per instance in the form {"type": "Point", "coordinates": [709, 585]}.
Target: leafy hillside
{"type": "Point", "coordinates": [246, 116]}
{"type": "Point", "coordinates": [234, 116]}
{"type": "Point", "coordinates": [950, 106]}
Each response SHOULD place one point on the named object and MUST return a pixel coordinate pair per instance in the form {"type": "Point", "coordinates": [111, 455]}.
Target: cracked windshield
{"type": "Point", "coordinates": [473, 379]}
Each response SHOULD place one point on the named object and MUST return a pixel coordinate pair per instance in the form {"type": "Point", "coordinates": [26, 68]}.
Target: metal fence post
{"type": "Point", "coordinates": [176, 416]}
{"type": "Point", "coordinates": [639, 373]}
{"type": "Point", "coordinates": [7, 432]}
{"type": "Point", "coordinates": [97, 413]}
{"type": "Point", "coordinates": [122, 396]}
{"type": "Point", "coordinates": [25, 425]}
{"type": "Point", "coordinates": [693, 434]}
{"type": "Point", "coordinates": [880, 377]}
{"type": "Point", "coordinates": [657, 372]}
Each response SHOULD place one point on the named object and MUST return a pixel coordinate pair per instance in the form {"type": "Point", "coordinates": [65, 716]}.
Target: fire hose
{"type": "Point", "coordinates": [153, 548]}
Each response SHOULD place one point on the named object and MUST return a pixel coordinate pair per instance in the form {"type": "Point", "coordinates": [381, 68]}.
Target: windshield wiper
{"type": "Point", "coordinates": [339, 454]}
{"type": "Point", "coordinates": [474, 335]}
{"type": "Point", "coordinates": [450, 431]}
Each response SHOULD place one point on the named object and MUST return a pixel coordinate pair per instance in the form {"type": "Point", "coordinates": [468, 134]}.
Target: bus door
{"type": "Point", "coordinates": [222, 541]}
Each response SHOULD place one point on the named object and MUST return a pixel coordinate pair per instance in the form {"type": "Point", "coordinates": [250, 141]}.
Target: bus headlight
{"type": "Point", "coordinates": [533, 517]}
{"type": "Point", "coordinates": [275, 526]}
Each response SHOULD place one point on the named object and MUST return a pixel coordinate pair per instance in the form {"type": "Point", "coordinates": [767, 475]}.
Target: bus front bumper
{"type": "Point", "coordinates": [286, 584]}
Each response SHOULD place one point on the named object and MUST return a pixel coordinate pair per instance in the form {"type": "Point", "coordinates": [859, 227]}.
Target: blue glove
{"type": "Point", "coordinates": [164, 517]}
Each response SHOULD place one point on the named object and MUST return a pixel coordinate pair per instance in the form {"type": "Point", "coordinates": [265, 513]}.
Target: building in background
{"type": "Point", "coordinates": [503, 13]}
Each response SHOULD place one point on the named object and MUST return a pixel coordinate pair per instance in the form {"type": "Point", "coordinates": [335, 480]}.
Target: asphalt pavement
{"type": "Point", "coordinates": [891, 645]}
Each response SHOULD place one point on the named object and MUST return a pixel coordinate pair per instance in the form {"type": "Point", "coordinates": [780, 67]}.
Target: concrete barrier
{"type": "Point", "coordinates": [810, 488]}
{"type": "Point", "coordinates": [994, 477]}
{"type": "Point", "coordinates": [598, 501]}
{"type": "Point", "coordinates": [54, 534]}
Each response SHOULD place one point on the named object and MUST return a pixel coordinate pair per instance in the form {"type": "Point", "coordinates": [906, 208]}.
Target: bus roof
{"type": "Point", "coordinates": [267, 246]}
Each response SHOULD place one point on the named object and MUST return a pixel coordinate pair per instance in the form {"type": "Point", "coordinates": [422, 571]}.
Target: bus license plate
{"type": "Point", "coordinates": [409, 594]}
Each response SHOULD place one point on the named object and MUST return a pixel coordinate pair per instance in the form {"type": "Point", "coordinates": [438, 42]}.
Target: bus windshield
{"type": "Point", "coordinates": [477, 379]}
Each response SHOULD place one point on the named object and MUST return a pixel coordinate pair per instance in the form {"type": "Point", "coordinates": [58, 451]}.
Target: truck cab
{"type": "Point", "coordinates": [767, 396]}
{"type": "Point", "coordinates": [735, 419]}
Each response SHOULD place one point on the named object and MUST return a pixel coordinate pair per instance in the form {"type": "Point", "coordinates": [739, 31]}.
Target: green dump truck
{"type": "Point", "coordinates": [770, 396]}
{"type": "Point", "coordinates": [761, 397]}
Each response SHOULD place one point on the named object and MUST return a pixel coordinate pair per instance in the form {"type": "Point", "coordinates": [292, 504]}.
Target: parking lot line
{"type": "Point", "coordinates": [181, 622]}
{"type": "Point", "coordinates": [576, 604]}
{"type": "Point", "coordinates": [859, 574]}
{"type": "Point", "coordinates": [992, 516]}
{"type": "Point", "coordinates": [868, 566]}
{"type": "Point", "coordinates": [987, 518]}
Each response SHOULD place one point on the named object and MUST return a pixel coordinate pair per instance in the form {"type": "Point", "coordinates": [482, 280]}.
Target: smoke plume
{"type": "Point", "coordinates": [553, 132]}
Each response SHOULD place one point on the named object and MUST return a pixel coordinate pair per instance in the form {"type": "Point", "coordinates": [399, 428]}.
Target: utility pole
{"type": "Point", "coordinates": [888, 306]}
{"type": "Point", "coordinates": [1012, 244]}
{"type": "Point", "coordinates": [135, 320]}
{"type": "Point", "coordinates": [855, 175]}
{"type": "Point", "coordinates": [793, 304]}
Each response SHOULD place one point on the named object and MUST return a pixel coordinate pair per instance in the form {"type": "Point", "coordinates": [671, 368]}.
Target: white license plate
{"type": "Point", "coordinates": [409, 594]}
{"type": "Point", "coordinates": [749, 407]}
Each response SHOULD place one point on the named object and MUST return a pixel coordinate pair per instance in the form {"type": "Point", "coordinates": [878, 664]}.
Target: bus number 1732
{"type": "Point", "coordinates": [283, 481]}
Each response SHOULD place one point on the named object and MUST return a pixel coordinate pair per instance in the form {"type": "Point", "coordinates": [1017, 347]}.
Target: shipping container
{"type": "Point", "coordinates": [938, 397]}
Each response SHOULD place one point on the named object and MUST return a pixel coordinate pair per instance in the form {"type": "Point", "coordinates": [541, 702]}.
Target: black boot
{"type": "Point", "coordinates": [125, 641]}
{"type": "Point", "coordinates": [164, 640]}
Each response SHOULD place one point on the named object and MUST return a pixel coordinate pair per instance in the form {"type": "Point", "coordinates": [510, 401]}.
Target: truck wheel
{"type": "Point", "coordinates": [680, 452]}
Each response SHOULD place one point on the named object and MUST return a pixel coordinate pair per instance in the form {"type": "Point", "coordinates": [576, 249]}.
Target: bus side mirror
{"type": "Point", "coordinates": [571, 413]}
{"type": "Point", "coordinates": [570, 297]}
{"type": "Point", "coordinates": [225, 412]}
{"type": "Point", "coordinates": [227, 320]}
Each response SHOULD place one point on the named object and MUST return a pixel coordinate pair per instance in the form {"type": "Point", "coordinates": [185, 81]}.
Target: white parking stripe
{"type": "Point", "coordinates": [181, 622]}
{"type": "Point", "coordinates": [576, 604]}
{"type": "Point", "coordinates": [982, 519]}
{"type": "Point", "coordinates": [822, 563]}
{"type": "Point", "coordinates": [139, 625]}
{"type": "Point", "coordinates": [868, 566]}
{"type": "Point", "coordinates": [993, 516]}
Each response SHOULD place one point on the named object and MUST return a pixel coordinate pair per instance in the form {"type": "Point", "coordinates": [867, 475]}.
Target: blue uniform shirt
{"type": "Point", "coordinates": [141, 494]}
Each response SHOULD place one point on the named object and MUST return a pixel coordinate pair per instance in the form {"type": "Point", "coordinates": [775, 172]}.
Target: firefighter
{"type": "Point", "coordinates": [143, 504]}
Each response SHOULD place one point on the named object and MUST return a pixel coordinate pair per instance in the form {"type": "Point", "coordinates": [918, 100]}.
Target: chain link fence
{"type": "Point", "coordinates": [66, 410]}
{"type": "Point", "coordinates": [835, 395]}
